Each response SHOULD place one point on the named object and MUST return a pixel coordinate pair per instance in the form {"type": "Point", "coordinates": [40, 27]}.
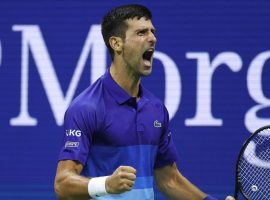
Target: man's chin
{"type": "Point", "coordinates": [145, 73]}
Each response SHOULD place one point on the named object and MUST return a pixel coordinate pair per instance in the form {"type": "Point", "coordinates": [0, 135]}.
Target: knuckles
{"type": "Point", "coordinates": [121, 174]}
{"type": "Point", "coordinates": [122, 180]}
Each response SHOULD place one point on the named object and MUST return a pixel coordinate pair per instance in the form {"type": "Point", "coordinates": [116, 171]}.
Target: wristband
{"type": "Point", "coordinates": [96, 186]}
{"type": "Point", "coordinates": [209, 198]}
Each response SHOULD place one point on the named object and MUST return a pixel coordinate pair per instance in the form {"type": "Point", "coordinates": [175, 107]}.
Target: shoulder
{"type": "Point", "coordinates": [89, 101]}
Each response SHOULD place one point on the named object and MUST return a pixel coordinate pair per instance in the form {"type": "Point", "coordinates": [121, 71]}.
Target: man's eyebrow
{"type": "Point", "coordinates": [145, 29]}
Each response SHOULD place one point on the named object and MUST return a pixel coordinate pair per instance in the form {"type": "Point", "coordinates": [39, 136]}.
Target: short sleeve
{"type": "Point", "coordinates": [79, 126]}
{"type": "Point", "coordinates": [166, 153]}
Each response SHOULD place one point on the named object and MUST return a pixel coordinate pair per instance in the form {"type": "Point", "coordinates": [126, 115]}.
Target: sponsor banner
{"type": "Point", "coordinates": [211, 70]}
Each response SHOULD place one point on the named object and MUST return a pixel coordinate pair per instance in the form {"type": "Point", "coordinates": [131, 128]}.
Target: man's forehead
{"type": "Point", "coordinates": [141, 23]}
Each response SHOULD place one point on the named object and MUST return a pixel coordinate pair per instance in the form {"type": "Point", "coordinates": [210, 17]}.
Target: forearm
{"type": "Point", "coordinates": [69, 184]}
{"type": "Point", "coordinates": [179, 188]}
{"type": "Point", "coordinates": [175, 186]}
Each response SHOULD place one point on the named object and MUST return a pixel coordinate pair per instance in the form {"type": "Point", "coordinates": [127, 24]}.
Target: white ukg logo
{"type": "Point", "coordinates": [71, 144]}
{"type": "Point", "coordinates": [72, 132]}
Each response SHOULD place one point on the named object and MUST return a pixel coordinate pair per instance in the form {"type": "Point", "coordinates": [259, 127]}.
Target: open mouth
{"type": "Point", "coordinates": [148, 55]}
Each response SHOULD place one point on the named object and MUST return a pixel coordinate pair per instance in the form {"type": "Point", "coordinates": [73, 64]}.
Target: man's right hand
{"type": "Point", "coordinates": [122, 180]}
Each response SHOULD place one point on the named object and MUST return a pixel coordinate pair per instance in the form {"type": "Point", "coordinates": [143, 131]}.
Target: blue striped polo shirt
{"type": "Point", "coordinates": [106, 128]}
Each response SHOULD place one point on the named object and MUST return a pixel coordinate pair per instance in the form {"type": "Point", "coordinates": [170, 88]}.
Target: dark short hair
{"type": "Point", "coordinates": [114, 24]}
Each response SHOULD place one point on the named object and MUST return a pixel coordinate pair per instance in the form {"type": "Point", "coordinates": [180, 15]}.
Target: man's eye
{"type": "Point", "coordinates": [141, 32]}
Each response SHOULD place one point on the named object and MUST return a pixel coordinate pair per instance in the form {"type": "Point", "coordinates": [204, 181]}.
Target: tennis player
{"type": "Point", "coordinates": [116, 131]}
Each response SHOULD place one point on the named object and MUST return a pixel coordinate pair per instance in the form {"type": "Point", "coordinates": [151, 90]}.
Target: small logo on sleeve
{"type": "Point", "coordinates": [72, 132]}
{"type": "Point", "coordinates": [71, 144]}
{"type": "Point", "coordinates": [157, 124]}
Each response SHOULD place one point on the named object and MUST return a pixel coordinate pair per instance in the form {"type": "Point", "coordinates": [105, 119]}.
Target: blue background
{"type": "Point", "coordinates": [207, 153]}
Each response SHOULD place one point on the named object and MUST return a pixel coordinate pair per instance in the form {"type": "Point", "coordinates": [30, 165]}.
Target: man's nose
{"type": "Point", "coordinates": [152, 38]}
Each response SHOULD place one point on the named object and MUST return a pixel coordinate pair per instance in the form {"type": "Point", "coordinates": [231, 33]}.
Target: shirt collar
{"type": "Point", "coordinates": [118, 93]}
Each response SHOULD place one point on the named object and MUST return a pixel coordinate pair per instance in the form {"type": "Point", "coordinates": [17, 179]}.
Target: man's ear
{"type": "Point", "coordinates": [116, 44]}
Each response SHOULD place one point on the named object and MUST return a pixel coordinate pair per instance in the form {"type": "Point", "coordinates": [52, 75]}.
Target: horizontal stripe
{"type": "Point", "coordinates": [139, 194]}
{"type": "Point", "coordinates": [143, 182]}
{"type": "Point", "coordinates": [103, 160]}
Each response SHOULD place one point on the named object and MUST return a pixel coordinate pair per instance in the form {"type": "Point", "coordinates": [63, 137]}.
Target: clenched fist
{"type": "Point", "coordinates": [122, 180]}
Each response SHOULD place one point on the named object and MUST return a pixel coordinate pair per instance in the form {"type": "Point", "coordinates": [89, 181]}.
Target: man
{"type": "Point", "coordinates": [116, 130]}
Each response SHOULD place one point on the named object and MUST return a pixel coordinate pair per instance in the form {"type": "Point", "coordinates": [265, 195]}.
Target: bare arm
{"type": "Point", "coordinates": [70, 185]}
{"type": "Point", "coordinates": [175, 186]}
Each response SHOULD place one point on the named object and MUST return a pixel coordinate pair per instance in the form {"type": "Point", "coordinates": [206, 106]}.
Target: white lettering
{"type": "Point", "coordinates": [204, 116]}
{"type": "Point", "coordinates": [255, 89]}
{"type": "Point", "coordinates": [72, 132]}
{"type": "Point", "coordinates": [71, 144]}
{"type": "Point", "coordinates": [32, 41]}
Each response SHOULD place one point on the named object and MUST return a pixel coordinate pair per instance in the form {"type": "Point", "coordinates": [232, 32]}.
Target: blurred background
{"type": "Point", "coordinates": [211, 69]}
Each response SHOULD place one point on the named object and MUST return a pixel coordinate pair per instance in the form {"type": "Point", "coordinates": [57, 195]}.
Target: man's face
{"type": "Point", "coordinates": [139, 46]}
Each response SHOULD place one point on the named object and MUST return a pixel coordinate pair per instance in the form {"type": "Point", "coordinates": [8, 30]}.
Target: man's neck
{"type": "Point", "coordinates": [125, 79]}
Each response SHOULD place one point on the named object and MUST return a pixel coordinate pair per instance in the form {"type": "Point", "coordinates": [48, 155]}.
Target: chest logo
{"type": "Point", "coordinates": [157, 124]}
